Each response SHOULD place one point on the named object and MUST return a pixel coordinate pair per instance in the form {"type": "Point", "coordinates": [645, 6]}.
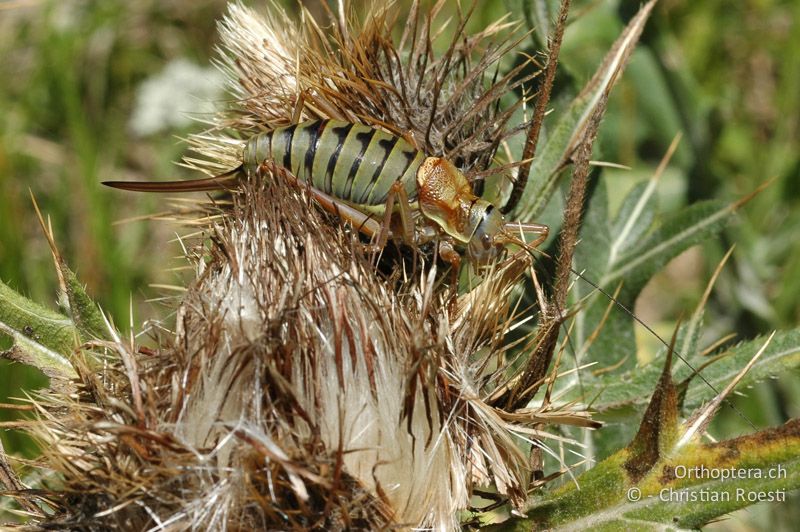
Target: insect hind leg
{"type": "Point", "coordinates": [364, 223]}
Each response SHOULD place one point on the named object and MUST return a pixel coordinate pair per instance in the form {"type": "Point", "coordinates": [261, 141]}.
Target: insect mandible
{"type": "Point", "coordinates": [367, 177]}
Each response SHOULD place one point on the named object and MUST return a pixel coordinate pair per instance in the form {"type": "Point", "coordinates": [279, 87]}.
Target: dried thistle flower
{"type": "Point", "coordinates": [300, 389]}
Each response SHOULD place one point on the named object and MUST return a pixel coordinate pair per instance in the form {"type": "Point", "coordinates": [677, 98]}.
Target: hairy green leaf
{"type": "Point", "coordinates": [83, 310]}
{"type": "Point", "coordinates": [41, 338]}
{"type": "Point", "coordinates": [633, 387]}
{"type": "Point", "coordinates": [572, 123]}
{"type": "Point", "coordinates": [595, 256]}
{"type": "Point", "coordinates": [678, 232]}
{"type": "Point", "coordinates": [619, 256]}
{"type": "Point", "coordinates": [634, 219]}
{"type": "Point", "coordinates": [617, 389]}
{"type": "Point", "coordinates": [782, 353]}
{"type": "Point", "coordinates": [687, 490]}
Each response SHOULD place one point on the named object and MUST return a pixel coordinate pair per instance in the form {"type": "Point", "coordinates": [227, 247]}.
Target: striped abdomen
{"type": "Point", "coordinates": [351, 162]}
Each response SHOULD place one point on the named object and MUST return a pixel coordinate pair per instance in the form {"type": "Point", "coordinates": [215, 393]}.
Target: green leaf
{"type": "Point", "coordinates": [600, 252]}
{"type": "Point", "coordinates": [602, 243]}
{"type": "Point", "coordinates": [572, 123]}
{"type": "Point", "coordinates": [538, 16]}
{"type": "Point", "coordinates": [634, 219]}
{"type": "Point", "coordinates": [687, 490]}
{"type": "Point", "coordinates": [782, 353]}
{"type": "Point", "coordinates": [678, 232]}
{"type": "Point", "coordinates": [551, 159]}
{"type": "Point", "coordinates": [41, 338]}
{"type": "Point", "coordinates": [618, 389]}
{"type": "Point", "coordinates": [595, 256]}
{"type": "Point", "coordinates": [84, 311]}
{"type": "Point", "coordinates": [633, 387]}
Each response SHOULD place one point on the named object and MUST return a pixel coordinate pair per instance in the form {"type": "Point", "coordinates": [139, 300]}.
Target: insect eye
{"type": "Point", "coordinates": [486, 240]}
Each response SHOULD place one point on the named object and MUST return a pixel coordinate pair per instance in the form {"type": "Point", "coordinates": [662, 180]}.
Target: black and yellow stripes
{"type": "Point", "coordinates": [351, 162]}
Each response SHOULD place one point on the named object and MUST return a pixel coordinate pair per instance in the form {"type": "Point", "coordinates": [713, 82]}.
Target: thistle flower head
{"type": "Point", "coordinates": [299, 388]}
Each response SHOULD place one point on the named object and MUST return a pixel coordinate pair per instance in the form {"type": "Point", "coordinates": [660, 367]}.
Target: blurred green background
{"type": "Point", "coordinates": [103, 90]}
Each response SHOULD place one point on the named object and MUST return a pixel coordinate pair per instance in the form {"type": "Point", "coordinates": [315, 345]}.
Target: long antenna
{"type": "Point", "coordinates": [639, 321]}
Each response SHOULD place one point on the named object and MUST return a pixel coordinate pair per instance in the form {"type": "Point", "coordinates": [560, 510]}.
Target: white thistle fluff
{"type": "Point", "coordinates": [358, 348]}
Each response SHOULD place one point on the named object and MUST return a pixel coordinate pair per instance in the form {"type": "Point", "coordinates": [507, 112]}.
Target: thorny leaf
{"type": "Point", "coordinates": [600, 257]}
{"type": "Point", "coordinates": [657, 431]}
{"type": "Point", "coordinates": [571, 126]}
{"type": "Point", "coordinates": [602, 332]}
{"type": "Point", "coordinates": [634, 218]}
{"type": "Point", "coordinates": [41, 338]}
{"type": "Point", "coordinates": [630, 388]}
{"type": "Point", "coordinates": [646, 486]}
{"type": "Point", "coordinates": [608, 500]}
{"type": "Point", "coordinates": [81, 308]}
{"type": "Point", "coordinates": [782, 354]}
{"type": "Point", "coordinates": [677, 232]}
{"type": "Point", "coordinates": [554, 41]}
{"type": "Point", "coordinates": [594, 257]}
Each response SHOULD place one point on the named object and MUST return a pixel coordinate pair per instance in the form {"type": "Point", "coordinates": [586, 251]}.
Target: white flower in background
{"type": "Point", "coordinates": [183, 91]}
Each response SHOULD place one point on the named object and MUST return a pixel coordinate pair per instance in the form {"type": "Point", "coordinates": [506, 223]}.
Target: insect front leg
{"type": "Point", "coordinates": [448, 254]}
{"type": "Point", "coordinates": [525, 228]}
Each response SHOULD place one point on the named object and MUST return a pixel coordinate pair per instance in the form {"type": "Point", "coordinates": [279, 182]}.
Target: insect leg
{"type": "Point", "coordinates": [406, 219]}
{"type": "Point", "coordinates": [450, 255]}
{"type": "Point", "coordinates": [519, 227]}
{"type": "Point", "coordinates": [383, 236]}
{"type": "Point", "coordinates": [397, 194]}
{"type": "Point", "coordinates": [361, 221]}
